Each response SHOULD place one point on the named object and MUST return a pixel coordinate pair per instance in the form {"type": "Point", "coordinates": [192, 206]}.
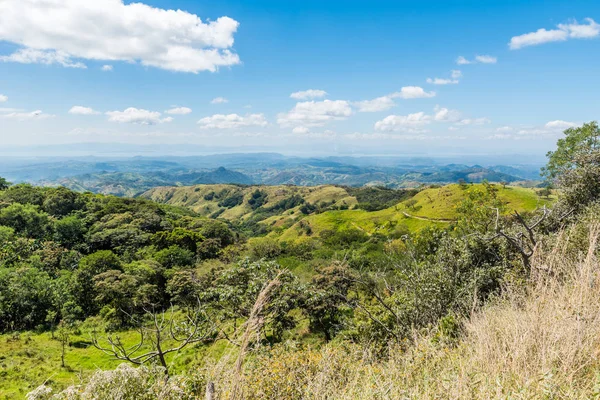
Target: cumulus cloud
{"type": "Point", "coordinates": [573, 30]}
{"type": "Point", "coordinates": [443, 114]}
{"type": "Point", "coordinates": [415, 122]}
{"type": "Point", "coordinates": [462, 61]}
{"type": "Point", "coordinates": [308, 94]}
{"type": "Point", "coordinates": [62, 31]}
{"type": "Point", "coordinates": [558, 124]}
{"type": "Point", "coordinates": [412, 92]}
{"type": "Point", "coordinates": [80, 110]}
{"type": "Point", "coordinates": [474, 121]}
{"type": "Point", "coordinates": [3, 98]}
{"type": "Point", "coordinates": [315, 113]}
{"type": "Point", "coordinates": [107, 68]}
{"type": "Point", "coordinates": [407, 123]}
{"type": "Point", "coordinates": [34, 56]}
{"type": "Point", "coordinates": [379, 104]}
{"type": "Point", "coordinates": [219, 100]}
{"type": "Point", "coordinates": [179, 111]}
{"type": "Point", "coordinates": [504, 129]}
{"type": "Point", "coordinates": [133, 115]}
{"type": "Point", "coordinates": [229, 121]}
{"type": "Point", "coordinates": [300, 130]}
{"type": "Point", "coordinates": [25, 116]}
{"type": "Point", "coordinates": [479, 59]}
{"type": "Point", "coordinates": [551, 128]}
{"type": "Point", "coordinates": [454, 76]}
{"type": "Point", "coordinates": [486, 59]}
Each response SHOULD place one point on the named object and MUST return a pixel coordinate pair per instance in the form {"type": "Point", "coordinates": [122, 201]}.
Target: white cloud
{"type": "Point", "coordinates": [443, 114]}
{"type": "Point", "coordinates": [24, 116]}
{"type": "Point", "coordinates": [452, 128]}
{"type": "Point", "coordinates": [3, 98]}
{"type": "Point", "coordinates": [300, 130]}
{"type": "Point", "coordinates": [315, 113]}
{"type": "Point", "coordinates": [442, 81]}
{"type": "Point", "coordinates": [454, 74]}
{"type": "Point", "coordinates": [107, 68]}
{"type": "Point", "coordinates": [34, 56]}
{"type": "Point", "coordinates": [222, 121]}
{"type": "Point", "coordinates": [407, 123]}
{"type": "Point", "coordinates": [486, 59]}
{"type": "Point", "coordinates": [415, 122]}
{"type": "Point", "coordinates": [558, 124]}
{"type": "Point", "coordinates": [564, 32]}
{"type": "Point", "coordinates": [391, 136]}
{"type": "Point", "coordinates": [479, 59]}
{"type": "Point", "coordinates": [412, 92]}
{"type": "Point", "coordinates": [219, 100]}
{"type": "Point", "coordinates": [462, 61]}
{"type": "Point", "coordinates": [501, 136]}
{"type": "Point", "coordinates": [61, 31]}
{"type": "Point", "coordinates": [551, 128]}
{"type": "Point", "coordinates": [379, 104]}
{"type": "Point", "coordinates": [308, 94]}
{"type": "Point", "coordinates": [474, 121]}
{"type": "Point", "coordinates": [80, 110]}
{"type": "Point", "coordinates": [137, 116]}
{"type": "Point", "coordinates": [179, 111]}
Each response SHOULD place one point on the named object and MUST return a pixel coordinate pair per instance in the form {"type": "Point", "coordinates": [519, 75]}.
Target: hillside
{"type": "Point", "coordinates": [337, 208]}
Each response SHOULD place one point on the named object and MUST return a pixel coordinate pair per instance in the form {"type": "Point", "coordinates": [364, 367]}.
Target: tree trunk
{"type": "Point", "coordinates": [210, 391]}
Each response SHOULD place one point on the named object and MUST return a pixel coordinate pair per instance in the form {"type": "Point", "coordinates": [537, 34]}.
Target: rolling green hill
{"type": "Point", "coordinates": [338, 208]}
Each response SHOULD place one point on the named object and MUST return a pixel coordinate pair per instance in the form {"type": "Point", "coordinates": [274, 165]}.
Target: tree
{"type": "Point", "coordinates": [584, 139]}
{"type": "Point", "coordinates": [327, 302]}
{"type": "Point", "coordinates": [163, 333]}
{"type": "Point", "coordinates": [69, 231]}
{"type": "Point", "coordinates": [63, 335]}
{"type": "Point", "coordinates": [4, 184]}
{"type": "Point", "coordinates": [83, 285]}
{"type": "Point", "coordinates": [26, 220]}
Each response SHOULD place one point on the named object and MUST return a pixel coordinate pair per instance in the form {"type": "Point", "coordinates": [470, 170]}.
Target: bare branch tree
{"type": "Point", "coordinates": [162, 335]}
{"type": "Point", "coordinates": [524, 239]}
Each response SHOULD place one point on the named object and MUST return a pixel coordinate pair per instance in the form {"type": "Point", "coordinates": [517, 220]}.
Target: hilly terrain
{"type": "Point", "coordinates": [132, 176]}
{"type": "Point", "coordinates": [290, 212]}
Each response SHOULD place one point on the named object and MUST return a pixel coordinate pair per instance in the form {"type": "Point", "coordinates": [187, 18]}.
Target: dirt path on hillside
{"type": "Point", "coordinates": [428, 219]}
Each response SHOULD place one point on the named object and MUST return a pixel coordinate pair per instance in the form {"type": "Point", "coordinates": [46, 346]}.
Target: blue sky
{"type": "Point", "coordinates": [373, 60]}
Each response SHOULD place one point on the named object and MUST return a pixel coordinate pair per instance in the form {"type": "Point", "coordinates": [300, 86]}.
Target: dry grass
{"type": "Point", "coordinates": [540, 343]}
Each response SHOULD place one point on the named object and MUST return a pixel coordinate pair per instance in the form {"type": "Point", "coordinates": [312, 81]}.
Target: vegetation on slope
{"type": "Point", "coordinates": [371, 314]}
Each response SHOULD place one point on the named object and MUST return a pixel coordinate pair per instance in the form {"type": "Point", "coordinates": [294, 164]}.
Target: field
{"type": "Point", "coordinates": [30, 359]}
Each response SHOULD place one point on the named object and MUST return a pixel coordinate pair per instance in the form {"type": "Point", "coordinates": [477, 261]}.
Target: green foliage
{"type": "Point", "coordinates": [379, 198]}
{"type": "Point", "coordinates": [577, 141]}
{"type": "Point", "coordinates": [4, 184]}
{"type": "Point", "coordinates": [181, 237]}
{"type": "Point", "coordinates": [233, 200]}
{"type": "Point", "coordinates": [27, 220]}
{"type": "Point", "coordinates": [257, 199]}
{"type": "Point", "coordinates": [25, 298]}
{"type": "Point", "coordinates": [174, 256]}
{"type": "Point", "coordinates": [70, 231]}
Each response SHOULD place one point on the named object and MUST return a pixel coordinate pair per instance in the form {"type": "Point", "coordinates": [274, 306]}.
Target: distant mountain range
{"type": "Point", "coordinates": [132, 176]}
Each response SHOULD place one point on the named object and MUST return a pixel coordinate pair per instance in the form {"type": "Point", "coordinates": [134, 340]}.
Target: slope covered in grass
{"type": "Point", "coordinates": [429, 207]}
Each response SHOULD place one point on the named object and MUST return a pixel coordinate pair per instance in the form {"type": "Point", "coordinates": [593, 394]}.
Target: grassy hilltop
{"type": "Point", "coordinates": [340, 207]}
